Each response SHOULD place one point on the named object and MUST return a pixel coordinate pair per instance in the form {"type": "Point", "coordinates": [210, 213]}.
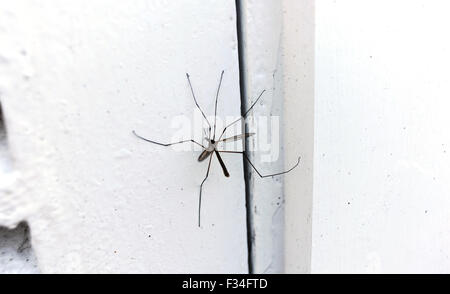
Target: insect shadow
{"type": "Point", "coordinates": [211, 149]}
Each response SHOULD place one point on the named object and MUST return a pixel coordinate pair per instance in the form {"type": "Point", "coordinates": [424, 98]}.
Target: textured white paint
{"type": "Point", "coordinates": [75, 78]}
{"type": "Point", "coordinates": [298, 87]}
{"type": "Point", "coordinates": [382, 157]}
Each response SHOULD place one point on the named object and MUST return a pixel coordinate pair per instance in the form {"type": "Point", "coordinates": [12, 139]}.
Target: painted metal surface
{"type": "Point", "coordinates": [279, 48]}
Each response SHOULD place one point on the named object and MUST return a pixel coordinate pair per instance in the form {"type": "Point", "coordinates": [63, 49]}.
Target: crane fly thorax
{"type": "Point", "coordinates": [211, 145]}
{"type": "Point", "coordinates": [208, 150]}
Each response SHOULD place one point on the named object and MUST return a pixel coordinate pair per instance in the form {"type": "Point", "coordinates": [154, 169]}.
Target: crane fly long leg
{"type": "Point", "coordinates": [201, 187]}
{"type": "Point", "coordinates": [168, 144]}
{"type": "Point", "coordinates": [222, 164]}
{"type": "Point", "coordinates": [253, 166]}
{"type": "Point", "coordinates": [215, 110]}
{"type": "Point", "coordinates": [243, 117]}
{"type": "Point", "coordinates": [196, 103]}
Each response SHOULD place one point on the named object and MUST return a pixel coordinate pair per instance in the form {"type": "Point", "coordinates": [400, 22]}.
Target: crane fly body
{"type": "Point", "coordinates": [212, 145]}
{"type": "Point", "coordinates": [211, 149]}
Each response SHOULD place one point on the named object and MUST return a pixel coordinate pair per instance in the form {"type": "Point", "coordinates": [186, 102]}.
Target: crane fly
{"type": "Point", "coordinates": [212, 144]}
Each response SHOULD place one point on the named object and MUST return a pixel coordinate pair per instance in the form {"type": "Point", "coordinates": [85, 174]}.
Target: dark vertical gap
{"type": "Point", "coordinates": [243, 93]}
{"type": "Point", "coordinates": [5, 159]}
{"type": "Point", "coordinates": [2, 124]}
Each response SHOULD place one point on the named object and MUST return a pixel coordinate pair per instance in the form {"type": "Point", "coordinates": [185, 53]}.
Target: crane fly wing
{"type": "Point", "coordinates": [237, 137]}
{"type": "Point", "coordinates": [205, 154]}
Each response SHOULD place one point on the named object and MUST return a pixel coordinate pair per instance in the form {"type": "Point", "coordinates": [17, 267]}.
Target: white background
{"type": "Point", "coordinates": [364, 95]}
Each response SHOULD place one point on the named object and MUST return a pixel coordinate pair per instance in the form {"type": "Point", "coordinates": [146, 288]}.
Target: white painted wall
{"type": "Point", "coordinates": [381, 155]}
{"type": "Point", "coordinates": [299, 131]}
{"type": "Point", "coordinates": [75, 79]}
{"type": "Point", "coordinates": [366, 108]}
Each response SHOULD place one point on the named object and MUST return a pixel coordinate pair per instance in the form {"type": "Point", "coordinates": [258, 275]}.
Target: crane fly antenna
{"type": "Point", "coordinates": [215, 109]}
{"type": "Point", "coordinates": [253, 166]}
{"type": "Point", "coordinates": [168, 144]}
{"type": "Point", "coordinates": [196, 103]}
{"type": "Point", "coordinates": [242, 117]}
